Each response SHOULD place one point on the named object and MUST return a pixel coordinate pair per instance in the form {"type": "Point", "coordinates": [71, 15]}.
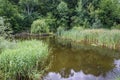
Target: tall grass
{"type": "Point", "coordinates": [5, 44]}
{"type": "Point", "coordinates": [23, 61]}
{"type": "Point", "coordinates": [97, 37]}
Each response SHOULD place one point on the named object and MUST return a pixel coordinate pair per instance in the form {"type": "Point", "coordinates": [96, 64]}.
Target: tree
{"type": "Point", "coordinates": [5, 29]}
{"type": "Point", "coordinates": [39, 26]}
{"type": "Point", "coordinates": [71, 3]}
{"type": "Point", "coordinates": [87, 11]}
{"type": "Point", "coordinates": [10, 11]}
{"type": "Point", "coordinates": [62, 9]}
{"type": "Point", "coordinates": [110, 12]}
{"type": "Point", "coordinates": [47, 6]}
{"type": "Point", "coordinates": [28, 6]}
{"type": "Point", "coordinates": [79, 16]}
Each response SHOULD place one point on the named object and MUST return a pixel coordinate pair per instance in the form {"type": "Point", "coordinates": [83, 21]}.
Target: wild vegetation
{"type": "Point", "coordinates": [6, 44]}
{"type": "Point", "coordinates": [96, 37]}
{"type": "Point", "coordinates": [24, 61]}
{"type": "Point", "coordinates": [39, 26]}
{"type": "Point", "coordinates": [95, 22]}
{"type": "Point", "coordinates": [21, 14]}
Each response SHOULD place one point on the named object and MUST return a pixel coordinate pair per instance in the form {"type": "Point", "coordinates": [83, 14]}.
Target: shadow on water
{"type": "Point", "coordinates": [70, 61]}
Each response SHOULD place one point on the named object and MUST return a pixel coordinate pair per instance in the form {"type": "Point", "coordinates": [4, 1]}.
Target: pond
{"type": "Point", "coordinates": [71, 61]}
{"type": "Point", "coordinates": [82, 62]}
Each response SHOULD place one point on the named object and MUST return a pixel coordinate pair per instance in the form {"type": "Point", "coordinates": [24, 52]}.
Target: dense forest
{"type": "Point", "coordinates": [21, 15]}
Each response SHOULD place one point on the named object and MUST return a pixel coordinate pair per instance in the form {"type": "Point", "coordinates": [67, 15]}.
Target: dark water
{"type": "Point", "coordinates": [82, 62]}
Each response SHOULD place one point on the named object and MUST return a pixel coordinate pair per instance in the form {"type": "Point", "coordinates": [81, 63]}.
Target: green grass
{"type": "Point", "coordinates": [117, 78]}
{"type": "Point", "coordinates": [97, 37]}
{"type": "Point", "coordinates": [5, 44]}
{"type": "Point", "coordinates": [21, 62]}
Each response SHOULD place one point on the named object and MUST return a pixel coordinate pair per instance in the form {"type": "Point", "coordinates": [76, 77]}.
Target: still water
{"type": "Point", "coordinates": [71, 61]}
{"type": "Point", "coordinates": [82, 62]}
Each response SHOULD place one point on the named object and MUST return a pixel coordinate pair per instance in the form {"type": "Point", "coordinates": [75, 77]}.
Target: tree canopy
{"type": "Point", "coordinates": [67, 13]}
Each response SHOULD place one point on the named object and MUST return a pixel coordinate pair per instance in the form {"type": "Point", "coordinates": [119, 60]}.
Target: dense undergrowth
{"type": "Point", "coordinates": [96, 37]}
{"type": "Point", "coordinates": [23, 62]}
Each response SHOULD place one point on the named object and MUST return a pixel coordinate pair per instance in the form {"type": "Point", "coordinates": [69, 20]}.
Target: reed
{"type": "Point", "coordinates": [97, 37]}
{"type": "Point", "coordinates": [25, 60]}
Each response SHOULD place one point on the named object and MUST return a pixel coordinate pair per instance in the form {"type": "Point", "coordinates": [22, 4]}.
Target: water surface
{"type": "Point", "coordinates": [82, 62]}
{"type": "Point", "coordinates": [71, 61]}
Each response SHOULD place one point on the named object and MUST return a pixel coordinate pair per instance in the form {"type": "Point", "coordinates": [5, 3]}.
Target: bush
{"type": "Point", "coordinates": [24, 60]}
{"type": "Point", "coordinates": [5, 29]}
{"type": "Point", "coordinates": [39, 26]}
{"type": "Point", "coordinates": [116, 26]}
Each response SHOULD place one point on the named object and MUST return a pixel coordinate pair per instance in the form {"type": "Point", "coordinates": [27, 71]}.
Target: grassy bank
{"type": "Point", "coordinates": [96, 37]}
{"type": "Point", "coordinates": [24, 61]}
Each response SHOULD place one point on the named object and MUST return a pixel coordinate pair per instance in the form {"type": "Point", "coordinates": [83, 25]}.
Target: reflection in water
{"type": "Point", "coordinates": [73, 76]}
{"type": "Point", "coordinates": [81, 62]}
{"type": "Point", "coordinates": [86, 63]}
{"type": "Point", "coordinates": [111, 75]}
{"type": "Point", "coordinates": [117, 63]}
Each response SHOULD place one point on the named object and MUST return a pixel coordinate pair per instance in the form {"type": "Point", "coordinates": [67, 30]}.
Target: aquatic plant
{"type": "Point", "coordinates": [98, 37]}
{"type": "Point", "coordinates": [24, 61]}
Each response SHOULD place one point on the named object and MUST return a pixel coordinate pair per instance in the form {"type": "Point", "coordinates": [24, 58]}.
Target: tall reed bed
{"type": "Point", "coordinates": [25, 60]}
{"type": "Point", "coordinates": [97, 37]}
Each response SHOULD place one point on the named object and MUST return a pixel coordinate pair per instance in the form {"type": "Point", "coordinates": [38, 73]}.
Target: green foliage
{"type": "Point", "coordinates": [101, 12]}
{"type": "Point", "coordinates": [116, 26]}
{"type": "Point", "coordinates": [6, 44]}
{"type": "Point", "coordinates": [60, 30]}
{"type": "Point", "coordinates": [50, 20]}
{"type": "Point", "coordinates": [26, 58]}
{"type": "Point", "coordinates": [62, 14]}
{"type": "Point", "coordinates": [11, 13]}
{"type": "Point", "coordinates": [110, 12]}
{"type": "Point", "coordinates": [79, 11]}
{"type": "Point", "coordinates": [87, 13]}
{"type": "Point", "coordinates": [39, 26]}
{"type": "Point", "coordinates": [97, 24]}
{"type": "Point", "coordinates": [5, 29]}
{"type": "Point", "coordinates": [101, 37]}
{"type": "Point", "coordinates": [28, 5]}
{"type": "Point", "coordinates": [117, 79]}
{"type": "Point", "coordinates": [62, 7]}
{"type": "Point", "coordinates": [78, 28]}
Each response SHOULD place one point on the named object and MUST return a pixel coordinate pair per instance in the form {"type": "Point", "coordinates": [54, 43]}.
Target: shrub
{"type": "Point", "coordinates": [5, 29]}
{"type": "Point", "coordinates": [26, 59]}
{"type": "Point", "coordinates": [39, 26]}
{"type": "Point", "coordinates": [116, 26]}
